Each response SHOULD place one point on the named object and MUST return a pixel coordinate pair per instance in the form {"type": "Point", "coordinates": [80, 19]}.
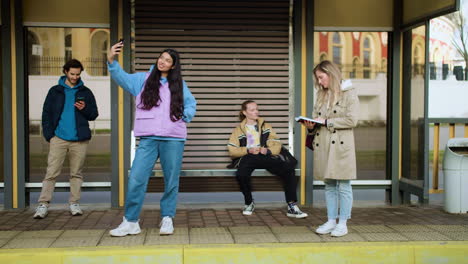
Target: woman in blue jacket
{"type": "Point", "coordinates": [163, 107]}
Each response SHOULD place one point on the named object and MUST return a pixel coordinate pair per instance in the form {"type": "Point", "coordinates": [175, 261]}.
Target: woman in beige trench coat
{"type": "Point", "coordinates": [337, 105]}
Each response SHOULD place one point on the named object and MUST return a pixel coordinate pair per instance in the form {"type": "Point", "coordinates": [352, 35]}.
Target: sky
{"type": "Point", "coordinates": [464, 6]}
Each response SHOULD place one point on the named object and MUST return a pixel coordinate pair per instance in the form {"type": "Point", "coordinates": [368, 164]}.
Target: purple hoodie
{"type": "Point", "coordinates": [156, 121]}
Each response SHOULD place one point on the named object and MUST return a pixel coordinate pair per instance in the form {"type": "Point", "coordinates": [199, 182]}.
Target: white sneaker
{"type": "Point", "coordinates": [248, 209]}
{"type": "Point", "coordinates": [326, 228]}
{"type": "Point", "coordinates": [75, 209]}
{"type": "Point", "coordinates": [41, 211]}
{"type": "Point", "coordinates": [295, 212]}
{"type": "Point", "coordinates": [339, 231]}
{"type": "Point", "coordinates": [166, 226]}
{"type": "Point", "coordinates": [126, 228]}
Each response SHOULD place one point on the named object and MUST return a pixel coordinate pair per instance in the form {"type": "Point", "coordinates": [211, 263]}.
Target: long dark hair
{"type": "Point", "coordinates": [150, 95]}
{"type": "Point", "coordinates": [244, 108]}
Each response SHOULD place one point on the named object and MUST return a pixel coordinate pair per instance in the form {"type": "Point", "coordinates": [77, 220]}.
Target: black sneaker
{"type": "Point", "coordinates": [295, 212]}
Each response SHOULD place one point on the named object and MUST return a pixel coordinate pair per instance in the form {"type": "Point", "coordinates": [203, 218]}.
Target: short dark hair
{"type": "Point", "coordinates": [73, 63]}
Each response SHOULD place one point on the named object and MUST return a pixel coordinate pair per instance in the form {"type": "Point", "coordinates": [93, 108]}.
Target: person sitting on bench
{"type": "Point", "coordinates": [254, 145]}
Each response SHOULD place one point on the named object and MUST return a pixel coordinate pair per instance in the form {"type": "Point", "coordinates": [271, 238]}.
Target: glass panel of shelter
{"type": "Point", "coordinates": [362, 57]}
{"type": "Point", "coordinates": [414, 46]}
{"type": "Point", "coordinates": [48, 50]}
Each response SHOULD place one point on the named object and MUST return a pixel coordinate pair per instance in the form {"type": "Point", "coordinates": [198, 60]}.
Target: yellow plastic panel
{"type": "Point", "coordinates": [59, 11]}
{"type": "Point", "coordinates": [353, 14]}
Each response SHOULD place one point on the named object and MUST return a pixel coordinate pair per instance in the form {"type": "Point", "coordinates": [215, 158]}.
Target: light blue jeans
{"type": "Point", "coordinates": [338, 194]}
{"type": "Point", "coordinates": [170, 153]}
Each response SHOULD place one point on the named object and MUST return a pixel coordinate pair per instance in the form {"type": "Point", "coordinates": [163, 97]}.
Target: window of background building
{"type": "Point", "coordinates": [337, 48]}
{"type": "Point", "coordinates": [68, 47]}
{"type": "Point", "coordinates": [353, 72]}
{"type": "Point", "coordinates": [48, 50]}
{"type": "Point", "coordinates": [99, 46]}
{"type": "Point", "coordinates": [34, 52]}
{"type": "Point", "coordinates": [367, 51]}
{"type": "Point", "coordinates": [356, 52]}
{"type": "Point", "coordinates": [418, 60]}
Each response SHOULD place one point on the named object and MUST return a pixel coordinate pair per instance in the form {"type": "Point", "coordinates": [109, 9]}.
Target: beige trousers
{"type": "Point", "coordinates": [76, 155]}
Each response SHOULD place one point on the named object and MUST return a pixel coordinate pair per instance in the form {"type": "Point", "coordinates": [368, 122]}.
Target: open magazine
{"type": "Point", "coordinates": [300, 118]}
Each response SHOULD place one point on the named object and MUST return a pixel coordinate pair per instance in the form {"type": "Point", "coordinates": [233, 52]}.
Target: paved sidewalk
{"type": "Point", "coordinates": [215, 224]}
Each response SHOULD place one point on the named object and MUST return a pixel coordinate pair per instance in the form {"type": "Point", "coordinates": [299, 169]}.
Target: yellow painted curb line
{"type": "Point", "coordinates": [284, 253]}
{"type": "Point", "coordinates": [94, 255]}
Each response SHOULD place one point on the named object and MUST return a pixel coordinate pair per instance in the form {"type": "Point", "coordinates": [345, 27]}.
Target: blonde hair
{"type": "Point", "coordinates": [333, 93]}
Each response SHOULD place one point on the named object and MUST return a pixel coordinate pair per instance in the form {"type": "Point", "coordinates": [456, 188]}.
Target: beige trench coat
{"type": "Point", "coordinates": [334, 151]}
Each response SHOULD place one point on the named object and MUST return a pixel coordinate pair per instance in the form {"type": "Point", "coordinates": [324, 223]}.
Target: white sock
{"type": "Point", "coordinates": [342, 222]}
{"type": "Point", "coordinates": [332, 221]}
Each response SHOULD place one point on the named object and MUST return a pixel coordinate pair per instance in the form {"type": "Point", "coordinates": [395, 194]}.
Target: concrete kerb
{"type": "Point", "coordinates": [294, 253]}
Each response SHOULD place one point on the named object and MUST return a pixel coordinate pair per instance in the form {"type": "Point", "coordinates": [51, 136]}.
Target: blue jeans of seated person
{"type": "Point", "coordinates": [338, 194]}
{"type": "Point", "coordinates": [170, 153]}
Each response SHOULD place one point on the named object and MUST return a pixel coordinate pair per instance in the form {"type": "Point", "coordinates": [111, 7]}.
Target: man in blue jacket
{"type": "Point", "coordinates": [67, 109]}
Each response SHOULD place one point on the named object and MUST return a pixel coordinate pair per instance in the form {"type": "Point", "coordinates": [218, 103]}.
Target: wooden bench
{"type": "Point", "coordinates": [217, 181]}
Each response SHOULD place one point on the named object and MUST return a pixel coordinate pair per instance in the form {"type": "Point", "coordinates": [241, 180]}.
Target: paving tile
{"type": "Point", "coordinates": [290, 229]}
{"type": "Point", "coordinates": [29, 243]}
{"type": "Point", "coordinates": [425, 236]}
{"type": "Point", "coordinates": [3, 241]}
{"type": "Point", "coordinates": [350, 237]}
{"type": "Point", "coordinates": [298, 237]}
{"type": "Point", "coordinates": [8, 234]}
{"type": "Point", "coordinates": [177, 231]}
{"type": "Point", "coordinates": [448, 228]}
{"type": "Point", "coordinates": [214, 235]}
{"type": "Point", "coordinates": [167, 240]}
{"type": "Point", "coordinates": [212, 239]}
{"type": "Point", "coordinates": [180, 236]}
{"type": "Point", "coordinates": [410, 228]}
{"type": "Point", "coordinates": [255, 238]}
{"type": "Point", "coordinates": [209, 230]}
{"type": "Point", "coordinates": [83, 233]}
{"type": "Point", "coordinates": [249, 229]}
{"type": "Point", "coordinates": [126, 241]}
{"type": "Point", "coordinates": [91, 241]}
{"type": "Point", "coordinates": [371, 228]}
{"type": "Point", "coordinates": [40, 234]}
{"type": "Point", "coordinates": [459, 236]}
{"type": "Point", "coordinates": [384, 237]}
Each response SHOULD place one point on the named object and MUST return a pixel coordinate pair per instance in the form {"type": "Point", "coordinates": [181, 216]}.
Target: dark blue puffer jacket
{"type": "Point", "coordinates": [53, 107]}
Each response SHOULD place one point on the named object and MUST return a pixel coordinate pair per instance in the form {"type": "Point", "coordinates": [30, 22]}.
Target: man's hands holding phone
{"type": "Point", "coordinates": [80, 103]}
